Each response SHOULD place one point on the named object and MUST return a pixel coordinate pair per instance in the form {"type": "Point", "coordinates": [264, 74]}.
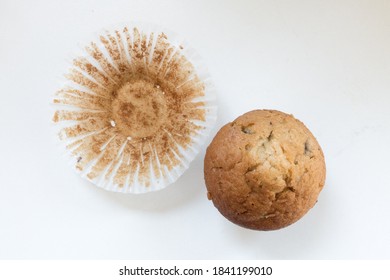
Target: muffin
{"type": "Point", "coordinates": [136, 106]}
{"type": "Point", "coordinates": [264, 170]}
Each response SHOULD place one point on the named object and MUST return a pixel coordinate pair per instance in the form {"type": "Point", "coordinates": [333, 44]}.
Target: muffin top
{"type": "Point", "coordinates": [264, 170]}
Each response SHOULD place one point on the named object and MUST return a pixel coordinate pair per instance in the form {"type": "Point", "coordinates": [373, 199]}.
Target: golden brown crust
{"type": "Point", "coordinates": [264, 170]}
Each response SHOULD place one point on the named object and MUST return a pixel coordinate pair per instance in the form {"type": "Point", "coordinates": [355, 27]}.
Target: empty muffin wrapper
{"type": "Point", "coordinates": [135, 108]}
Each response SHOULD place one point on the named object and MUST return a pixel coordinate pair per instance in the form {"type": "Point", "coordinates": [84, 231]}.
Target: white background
{"type": "Point", "coordinates": [326, 62]}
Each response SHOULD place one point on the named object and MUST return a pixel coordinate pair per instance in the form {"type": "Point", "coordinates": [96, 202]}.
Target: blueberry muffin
{"type": "Point", "coordinates": [264, 170]}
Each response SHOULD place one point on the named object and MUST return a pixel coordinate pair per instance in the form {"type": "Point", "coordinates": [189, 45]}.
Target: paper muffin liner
{"type": "Point", "coordinates": [135, 108]}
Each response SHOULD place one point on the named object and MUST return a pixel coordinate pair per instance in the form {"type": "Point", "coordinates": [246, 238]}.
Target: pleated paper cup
{"type": "Point", "coordinates": [136, 106]}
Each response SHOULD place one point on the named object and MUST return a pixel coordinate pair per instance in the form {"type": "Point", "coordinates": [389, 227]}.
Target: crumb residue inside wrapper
{"type": "Point", "coordinates": [135, 109]}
